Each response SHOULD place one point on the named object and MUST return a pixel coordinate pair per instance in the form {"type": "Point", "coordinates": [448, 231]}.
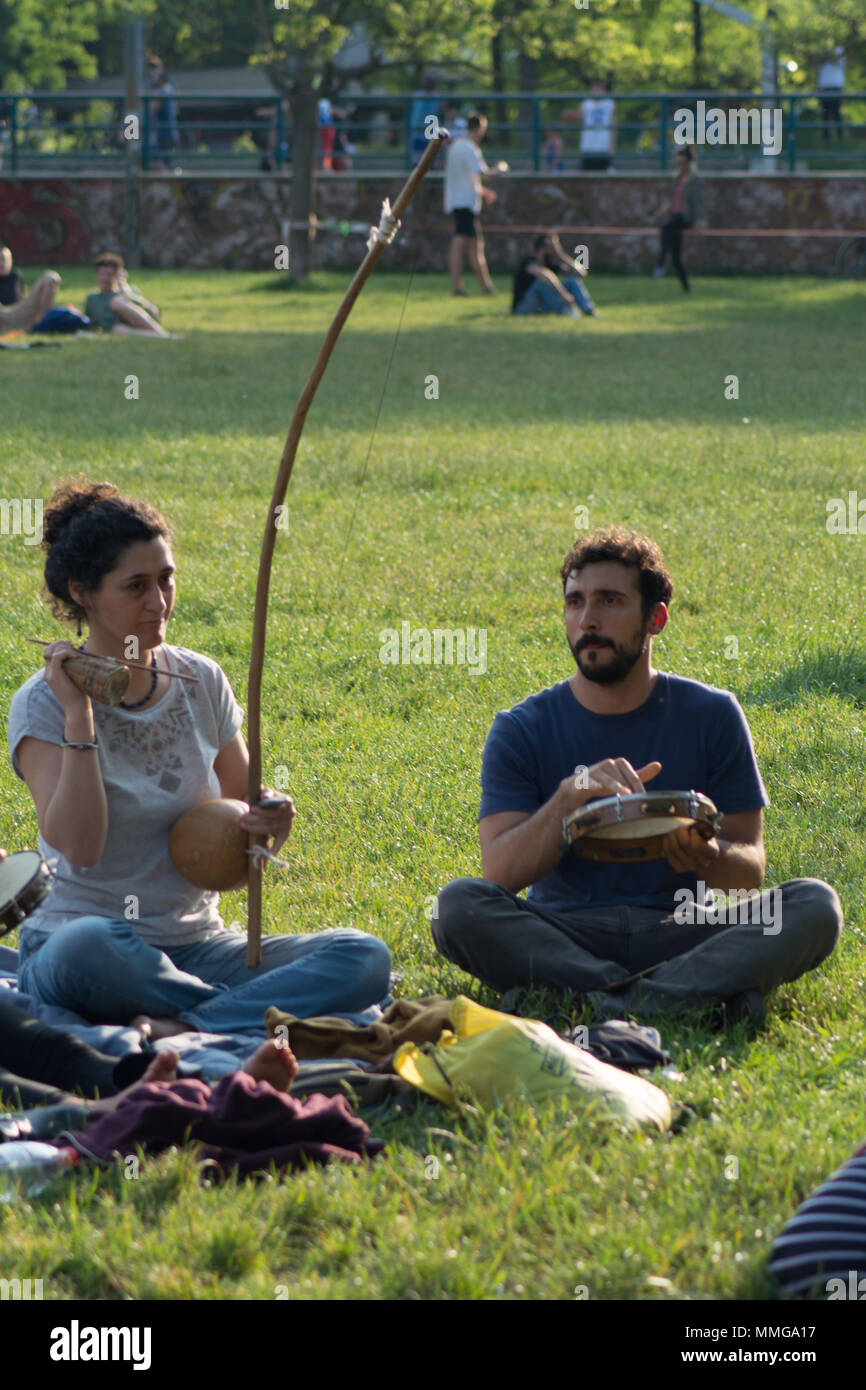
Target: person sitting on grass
{"type": "Point", "coordinates": [117, 307]}
{"type": "Point", "coordinates": [616, 725]}
{"type": "Point", "coordinates": [108, 785]}
{"type": "Point", "coordinates": [19, 310]}
{"type": "Point", "coordinates": [539, 288]}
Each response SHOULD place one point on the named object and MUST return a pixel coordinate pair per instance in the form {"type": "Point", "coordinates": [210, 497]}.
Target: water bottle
{"type": "Point", "coordinates": [26, 1167]}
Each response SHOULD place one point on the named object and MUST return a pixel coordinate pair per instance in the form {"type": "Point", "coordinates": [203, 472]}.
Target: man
{"type": "Point", "coordinates": [616, 726]}
{"type": "Point", "coordinates": [464, 194]}
{"type": "Point", "coordinates": [117, 307]}
{"type": "Point", "coordinates": [598, 133]}
{"type": "Point", "coordinates": [424, 106]}
{"type": "Point", "coordinates": [538, 289]}
{"type": "Point", "coordinates": [831, 85]}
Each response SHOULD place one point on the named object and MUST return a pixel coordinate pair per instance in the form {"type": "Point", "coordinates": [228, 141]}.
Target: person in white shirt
{"type": "Point", "coordinates": [598, 135]}
{"type": "Point", "coordinates": [831, 84]}
{"type": "Point", "coordinates": [464, 194]}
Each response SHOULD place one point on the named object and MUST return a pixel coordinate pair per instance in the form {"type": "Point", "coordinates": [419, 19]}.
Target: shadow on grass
{"type": "Point", "coordinates": [826, 671]}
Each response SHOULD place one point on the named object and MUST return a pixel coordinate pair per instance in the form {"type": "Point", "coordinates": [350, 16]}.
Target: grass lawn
{"type": "Point", "coordinates": [461, 519]}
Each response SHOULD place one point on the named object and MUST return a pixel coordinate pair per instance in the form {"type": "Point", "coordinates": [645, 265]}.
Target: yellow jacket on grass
{"type": "Point", "coordinates": [492, 1057]}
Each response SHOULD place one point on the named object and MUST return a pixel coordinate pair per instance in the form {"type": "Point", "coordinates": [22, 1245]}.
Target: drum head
{"type": "Point", "coordinates": [641, 829]}
{"type": "Point", "coordinates": [16, 872]}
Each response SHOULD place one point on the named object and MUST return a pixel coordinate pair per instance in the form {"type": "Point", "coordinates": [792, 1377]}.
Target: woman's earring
{"type": "Point", "coordinates": [79, 622]}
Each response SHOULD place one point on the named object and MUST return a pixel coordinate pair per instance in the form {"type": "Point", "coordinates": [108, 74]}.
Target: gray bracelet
{"type": "Point", "coordinates": [82, 746]}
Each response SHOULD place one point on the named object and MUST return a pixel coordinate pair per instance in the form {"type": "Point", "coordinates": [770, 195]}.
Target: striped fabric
{"type": "Point", "coordinates": [827, 1237]}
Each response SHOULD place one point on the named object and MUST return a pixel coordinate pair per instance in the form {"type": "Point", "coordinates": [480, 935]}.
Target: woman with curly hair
{"type": "Point", "coordinates": [123, 936]}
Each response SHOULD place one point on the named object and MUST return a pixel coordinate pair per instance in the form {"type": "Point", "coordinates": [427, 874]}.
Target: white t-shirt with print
{"type": "Point", "coordinates": [156, 763]}
{"type": "Point", "coordinates": [597, 119]}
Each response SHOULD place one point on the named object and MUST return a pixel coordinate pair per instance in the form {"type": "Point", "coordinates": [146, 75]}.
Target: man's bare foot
{"type": "Point", "coordinates": [273, 1062]}
{"type": "Point", "coordinates": [157, 1028]}
{"type": "Point", "coordinates": [162, 1068]}
{"type": "Point", "coordinates": [489, 289]}
{"type": "Point", "coordinates": [461, 293]}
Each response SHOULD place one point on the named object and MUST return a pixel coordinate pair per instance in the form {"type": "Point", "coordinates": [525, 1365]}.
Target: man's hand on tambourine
{"type": "Point", "coordinates": [689, 852]}
{"type": "Point", "coordinates": [273, 820]}
{"type": "Point", "coordinates": [612, 777]}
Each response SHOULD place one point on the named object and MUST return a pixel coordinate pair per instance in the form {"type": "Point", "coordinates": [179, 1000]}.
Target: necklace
{"type": "Point", "coordinates": [154, 678]}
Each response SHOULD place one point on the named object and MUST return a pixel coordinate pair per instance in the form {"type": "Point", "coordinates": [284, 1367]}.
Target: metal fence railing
{"type": "Point", "coordinates": [541, 131]}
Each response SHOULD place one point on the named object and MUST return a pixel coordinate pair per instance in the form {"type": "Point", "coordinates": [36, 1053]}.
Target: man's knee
{"type": "Point", "coordinates": [818, 913]}
{"type": "Point", "coordinates": [459, 910]}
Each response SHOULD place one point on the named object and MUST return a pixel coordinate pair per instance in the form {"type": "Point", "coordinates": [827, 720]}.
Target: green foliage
{"type": "Point", "coordinates": [461, 519]}
{"type": "Point", "coordinates": [42, 44]}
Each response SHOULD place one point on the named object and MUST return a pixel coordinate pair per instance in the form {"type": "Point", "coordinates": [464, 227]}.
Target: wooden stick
{"type": "Point", "coordinates": [133, 665]}
{"type": "Point", "coordinates": [284, 472]}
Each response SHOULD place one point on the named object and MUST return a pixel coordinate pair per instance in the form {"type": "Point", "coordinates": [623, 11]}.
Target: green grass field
{"type": "Point", "coordinates": [461, 519]}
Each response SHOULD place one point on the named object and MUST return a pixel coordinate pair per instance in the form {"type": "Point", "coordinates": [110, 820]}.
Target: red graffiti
{"type": "Point", "coordinates": [43, 222]}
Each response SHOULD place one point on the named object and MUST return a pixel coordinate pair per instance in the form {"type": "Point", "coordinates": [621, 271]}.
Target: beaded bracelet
{"type": "Point", "coordinates": [82, 746]}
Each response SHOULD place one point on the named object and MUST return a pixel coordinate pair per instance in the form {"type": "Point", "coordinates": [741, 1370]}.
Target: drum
{"type": "Point", "coordinates": [25, 879]}
{"type": "Point", "coordinates": [630, 829]}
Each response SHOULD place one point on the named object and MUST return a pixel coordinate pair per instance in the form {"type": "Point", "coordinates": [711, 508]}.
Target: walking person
{"type": "Point", "coordinates": [464, 195]}
{"type": "Point", "coordinates": [687, 210]}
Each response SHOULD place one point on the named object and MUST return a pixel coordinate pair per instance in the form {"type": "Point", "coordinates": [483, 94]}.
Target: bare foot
{"type": "Point", "coordinates": [162, 1068]}
{"type": "Point", "coordinates": [273, 1062]}
{"type": "Point", "coordinates": [156, 1028]}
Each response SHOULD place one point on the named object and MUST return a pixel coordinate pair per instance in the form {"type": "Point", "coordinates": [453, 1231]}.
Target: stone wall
{"type": "Point", "coordinates": [237, 222]}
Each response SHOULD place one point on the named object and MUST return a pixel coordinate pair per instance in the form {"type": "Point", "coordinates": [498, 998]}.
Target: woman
{"type": "Point", "coordinates": [687, 209]}
{"type": "Point", "coordinates": [122, 934]}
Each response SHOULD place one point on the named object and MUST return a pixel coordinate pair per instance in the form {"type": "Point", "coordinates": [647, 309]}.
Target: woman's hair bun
{"type": "Point", "coordinates": [69, 501]}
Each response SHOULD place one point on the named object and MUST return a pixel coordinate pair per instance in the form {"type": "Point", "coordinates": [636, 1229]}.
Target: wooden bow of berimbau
{"type": "Point", "coordinates": [379, 238]}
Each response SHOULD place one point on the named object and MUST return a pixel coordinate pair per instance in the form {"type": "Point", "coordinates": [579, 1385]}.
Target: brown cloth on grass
{"type": "Point", "coordinates": [407, 1020]}
{"type": "Point", "coordinates": [242, 1124]}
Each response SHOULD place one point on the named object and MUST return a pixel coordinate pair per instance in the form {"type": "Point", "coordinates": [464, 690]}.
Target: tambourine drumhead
{"type": "Point", "coordinates": [641, 829]}
{"type": "Point", "coordinates": [633, 827]}
{"type": "Point", "coordinates": [25, 880]}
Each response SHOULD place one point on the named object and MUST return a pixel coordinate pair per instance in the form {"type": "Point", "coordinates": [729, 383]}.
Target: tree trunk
{"type": "Point", "coordinates": [527, 80]}
{"type": "Point", "coordinates": [698, 44]}
{"type": "Point", "coordinates": [304, 151]}
{"type": "Point", "coordinates": [497, 64]}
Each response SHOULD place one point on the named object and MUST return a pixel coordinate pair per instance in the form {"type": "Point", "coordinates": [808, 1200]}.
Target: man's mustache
{"type": "Point", "coordinates": [592, 642]}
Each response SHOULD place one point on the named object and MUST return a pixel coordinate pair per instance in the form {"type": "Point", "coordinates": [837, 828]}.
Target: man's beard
{"type": "Point", "coordinates": [609, 670]}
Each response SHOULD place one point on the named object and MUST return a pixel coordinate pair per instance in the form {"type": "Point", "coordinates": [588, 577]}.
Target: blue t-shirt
{"type": "Point", "coordinates": [697, 733]}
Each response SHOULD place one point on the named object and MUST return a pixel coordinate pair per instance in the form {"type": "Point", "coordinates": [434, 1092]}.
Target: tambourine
{"type": "Point", "coordinates": [630, 829]}
{"type": "Point", "coordinates": [25, 879]}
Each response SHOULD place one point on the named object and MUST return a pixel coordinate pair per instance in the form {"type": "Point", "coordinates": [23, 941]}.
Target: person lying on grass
{"type": "Point", "coordinates": [20, 309]}
{"type": "Point", "coordinates": [613, 728]}
{"type": "Point", "coordinates": [122, 935]}
{"type": "Point", "coordinates": [42, 1065]}
{"type": "Point", "coordinates": [117, 306]}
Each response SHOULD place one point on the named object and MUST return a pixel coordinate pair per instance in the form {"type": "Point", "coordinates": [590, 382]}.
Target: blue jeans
{"type": "Point", "coordinates": [541, 298]}
{"type": "Point", "coordinates": [101, 969]}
